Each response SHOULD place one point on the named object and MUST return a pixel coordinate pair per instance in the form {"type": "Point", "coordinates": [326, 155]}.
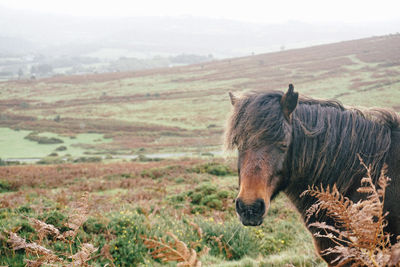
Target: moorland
{"type": "Point", "coordinates": [146, 146]}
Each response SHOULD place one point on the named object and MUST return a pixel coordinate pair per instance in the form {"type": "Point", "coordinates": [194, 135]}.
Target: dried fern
{"type": "Point", "coordinates": [359, 227]}
{"type": "Point", "coordinates": [105, 252]}
{"type": "Point", "coordinates": [78, 216]}
{"type": "Point", "coordinates": [222, 246]}
{"type": "Point", "coordinates": [175, 250]}
{"type": "Point", "coordinates": [197, 228]}
{"type": "Point", "coordinates": [44, 229]}
{"type": "Point", "coordinates": [46, 256]}
{"type": "Point", "coordinates": [83, 256]}
{"type": "Point", "coordinates": [205, 250]}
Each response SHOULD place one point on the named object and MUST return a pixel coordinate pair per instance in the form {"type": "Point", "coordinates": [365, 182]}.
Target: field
{"type": "Point", "coordinates": [184, 108]}
{"type": "Point", "coordinates": [127, 200]}
{"type": "Point", "coordinates": [166, 111]}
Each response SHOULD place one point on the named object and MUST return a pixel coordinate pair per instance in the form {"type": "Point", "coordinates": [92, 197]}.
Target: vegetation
{"type": "Point", "coordinates": [359, 230]}
{"type": "Point", "coordinates": [43, 139]}
{"type": "Point", "coordinates": [151, 212]}
{"type": "Point", "coordinates": [38, 255]}
{"type": "Point", "coordinates": [184, 108]}
{"type": "Point", "coordinates": [14, 145]}
{"type": "Point", "coordinates": [153, 205]}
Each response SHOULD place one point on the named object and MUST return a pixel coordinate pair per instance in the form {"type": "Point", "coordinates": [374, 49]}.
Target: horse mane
{"type": "Point", "coordinates": [326, 136]}
{"type": "Point", "coordinates": [254, 121]}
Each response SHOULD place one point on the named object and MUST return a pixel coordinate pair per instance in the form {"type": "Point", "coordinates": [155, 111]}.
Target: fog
{"type": "Point", "coordinates": [71, 44]}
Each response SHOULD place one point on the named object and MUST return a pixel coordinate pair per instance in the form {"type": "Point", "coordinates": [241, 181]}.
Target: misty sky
{"type": "Point", "coordinates": [265, 11]}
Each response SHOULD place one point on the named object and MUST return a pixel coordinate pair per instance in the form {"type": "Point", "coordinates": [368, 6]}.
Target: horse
{"type": "Point", "coordinates": [287, 143]}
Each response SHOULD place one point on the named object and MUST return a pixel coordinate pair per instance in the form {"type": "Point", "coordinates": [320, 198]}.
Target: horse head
{"type": "Point", "coordinates": [260, 128]}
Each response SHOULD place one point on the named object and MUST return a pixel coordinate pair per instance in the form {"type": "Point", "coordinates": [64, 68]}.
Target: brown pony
{"type": "Point", "coordinates": [287, 143]}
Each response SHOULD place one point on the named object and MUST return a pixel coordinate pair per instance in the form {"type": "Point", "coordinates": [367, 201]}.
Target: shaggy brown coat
{"type": "Point", "coordinates": [325, 141]}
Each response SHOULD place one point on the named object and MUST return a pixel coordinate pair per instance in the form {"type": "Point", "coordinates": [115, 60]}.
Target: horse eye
{"type": "Point", "coordinates": [283, 147]}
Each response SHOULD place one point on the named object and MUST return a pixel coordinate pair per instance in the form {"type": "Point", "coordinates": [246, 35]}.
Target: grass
{"type": "Point", "coordinates": [190, 103]}
{"type": "Point", "coordinates": [124, 207]}
{"type": "Point", "coordinates": [14, 145]}
{"type": "Point", "coordinates": [168, 110]}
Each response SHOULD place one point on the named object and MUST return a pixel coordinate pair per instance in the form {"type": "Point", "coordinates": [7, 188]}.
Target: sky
{"type": "Point", "coordinates": [260, 11]}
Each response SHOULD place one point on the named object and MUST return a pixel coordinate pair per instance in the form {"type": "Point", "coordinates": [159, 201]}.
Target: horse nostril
{"type": "Point", "coordinates": [259, 207]}
{"type": "Point", "coordinates": [239, 205]}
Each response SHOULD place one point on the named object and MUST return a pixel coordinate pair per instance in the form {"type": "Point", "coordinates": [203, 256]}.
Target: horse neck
{"type": "Point", "coordinates": [325, 149]}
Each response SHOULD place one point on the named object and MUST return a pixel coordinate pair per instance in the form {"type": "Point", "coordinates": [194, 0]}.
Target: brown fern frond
{"type": "Point", "coordinates": [83, 256]}
{"type": "Point", "coordinates": [204, 251]}
{"type": "Point", "coordinates": [222, 246]}
{"type": "Point", "coordinates": [330, 200]}
{"type": "Point", "coordinates": [33, 263]}
{"type": "Point", "coordinates": [198, 243]}
{"type": "Point", "coordinates": [105, 252]}
{"type": "Point", "coordinates": [43, 229]}
{"type": "Point", "coordinates": [78, 215]}
{"type": "Point", "coordinates": [219, 243]}
{"type": "Point", "coordinates": [172, 251]}
{"type": "Point", "coordinates": [46, 255]}
{"type": "Point", "coordinates": [395, 255]}
{"type": "Point", "coordinates": [359, 227]}
{"type": "Point", "coordinates": [197, 228]}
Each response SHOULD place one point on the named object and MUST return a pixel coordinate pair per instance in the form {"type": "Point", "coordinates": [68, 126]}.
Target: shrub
{"type": "Point", "coordinates": [211, 201]}
{"type": "Point", "coordinates": [127, 248]}
{"type": "Point", "coordinates": [206, 189]}
{"type": "Point", "coordinates": [196, 197]}
{"type": "Point", "coordinates": [154, 173]}
{"type": "Point", "coordinates": [5, 186]}
{"type": "Point", "coordinates": [24, 209]}
{"type": "Point", "coordinates": [88, 159]}
{"type": "Point", "coordinates": [204, 197]}
{"type": "Point", "coordinates": [239, 240]}
{"type": "Point", "coordinates": [61, 148]}
{"type": "Point", "coordinates": [43, 139]}
{"type": "Point", "coordinates": [144, 158]}
{"type": "Point", "coordinates": [9, 162]}
{"type": "Point", "coordinates": [50, 160]}
{"type": "Point", "coordinates": [93, 226]}
{"type": "Point", "coordinates": [225, 194]}
{"type": "Point", "coordinates": [179, 180]}
{"type": "Point", "coordinates": [213, 168]}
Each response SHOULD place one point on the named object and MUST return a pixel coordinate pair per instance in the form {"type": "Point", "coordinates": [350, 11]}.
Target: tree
{"type": "Point", "coordinates": [20, 73]}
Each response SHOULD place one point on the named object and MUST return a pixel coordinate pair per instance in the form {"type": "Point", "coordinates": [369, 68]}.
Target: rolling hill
{"type": "Point", "coordinates": [184, 108]}
{"type": "Point", "coordinates": [165, 111]}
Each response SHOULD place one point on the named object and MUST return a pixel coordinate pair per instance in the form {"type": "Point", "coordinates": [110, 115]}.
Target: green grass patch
{"type": "Point", "coordinates": [14, 145]}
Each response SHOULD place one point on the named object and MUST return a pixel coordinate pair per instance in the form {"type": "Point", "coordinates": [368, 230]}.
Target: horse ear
{"type": "Point", "coordinates": [233, 98]}
{"type": "Point", "coordinates": [289, 102]}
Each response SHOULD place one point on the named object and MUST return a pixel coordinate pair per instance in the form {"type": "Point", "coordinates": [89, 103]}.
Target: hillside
{"type": "Point", "coordinates": [117, 205]}
{"type": "Point", "coordinates": [184, 108]}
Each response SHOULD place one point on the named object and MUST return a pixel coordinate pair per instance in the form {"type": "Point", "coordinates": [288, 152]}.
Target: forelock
{"type": "Point", "coordinates": [255, 118]}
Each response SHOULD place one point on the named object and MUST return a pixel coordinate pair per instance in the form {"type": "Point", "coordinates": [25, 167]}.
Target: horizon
{"type": "Point", "coordinates": [73, 37]}
{"type": "Point", "coordinates": [255, 11]}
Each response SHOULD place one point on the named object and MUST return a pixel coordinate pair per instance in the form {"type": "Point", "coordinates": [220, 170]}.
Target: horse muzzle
{"type": "Point", "coordinates": [251, 214]}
